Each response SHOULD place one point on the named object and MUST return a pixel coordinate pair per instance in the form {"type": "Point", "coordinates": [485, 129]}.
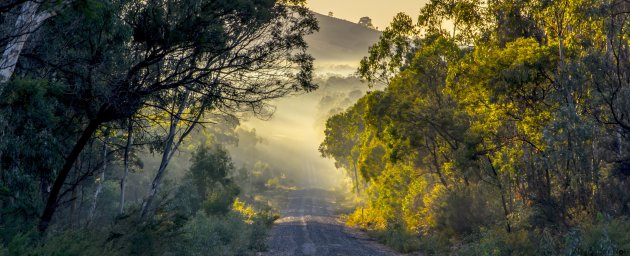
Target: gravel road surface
{"type": "Point", "coordinates": [309, 227]}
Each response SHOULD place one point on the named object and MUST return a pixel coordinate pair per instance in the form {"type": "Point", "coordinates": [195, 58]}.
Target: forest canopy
{"type": "Point", "coordinates": [501, 122]}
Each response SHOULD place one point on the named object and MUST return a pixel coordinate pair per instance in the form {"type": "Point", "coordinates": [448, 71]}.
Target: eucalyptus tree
{"type": "Point", "coordinates": [343, 138]}
{"type": "Point", "coordinates": [391, 53]}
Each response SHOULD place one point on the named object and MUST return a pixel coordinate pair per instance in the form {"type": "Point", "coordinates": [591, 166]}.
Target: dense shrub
{"type": "Point", "coordinates": [67, 243]}
{"type": "Point", "coordinates": [215, 235]}
{"type": "Point", "coordinates": [200, 215]}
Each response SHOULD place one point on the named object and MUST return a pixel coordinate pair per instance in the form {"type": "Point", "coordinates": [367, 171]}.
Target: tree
{"type": "Point", "coordinates": [415, 118]}
{"type": "Point", "coordinates": [391, 54]}
{"type": "Point", "coordinates": [342, 139]}
{"type": "Point", "coordinates": [174, 138]}
{"type": "Point", "coordinates": [466, 16]}
{"type": "Point", "coordinates": [100, 179]}
{"type": "Point", "coordinates": [123, 179]}
{"type": "Point", "coordinates": [232, 57]}
{"type": "Point", "coordinates": [210, 166]}
{"type": "Point", "coordinates": [366, 22]}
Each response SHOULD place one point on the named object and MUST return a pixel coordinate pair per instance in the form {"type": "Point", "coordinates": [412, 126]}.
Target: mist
{"type": "Point", "coordinates": [287, 143]}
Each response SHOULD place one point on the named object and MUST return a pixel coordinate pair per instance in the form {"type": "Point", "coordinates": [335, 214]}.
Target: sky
{"type": "Point", "coordinates": [380, 11]}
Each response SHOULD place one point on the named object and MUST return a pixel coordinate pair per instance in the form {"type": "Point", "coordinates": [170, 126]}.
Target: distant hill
{"type": "Point", "coordinates": [297, 127]}
{"type": "Point", "coordinates": [340, 44]}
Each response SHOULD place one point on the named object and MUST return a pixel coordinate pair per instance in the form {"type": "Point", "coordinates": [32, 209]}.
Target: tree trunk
{"type": "Point", "coordinates": [51, 204]}
{"type": "Point", "coordinates": [166, 156]}
{"type": "Point", "coordinates": [506, 211]}
{"type": "Point", "coordinates": [126, 166]}
{"type": "Point", "coordinates": [73, 208]}
{"type": "Point", "coordinates": [99, 181]}
{"type": "Point", "coordinates": [28, 21]}
{"type": "Point", "coordinates": [436, 165]}
{"type": "Point", "coordinates": [356, 177]}
{"type": "Point", "coordinates": [561, 69]}
{"type": "Point", "coordinates": [44, 187]}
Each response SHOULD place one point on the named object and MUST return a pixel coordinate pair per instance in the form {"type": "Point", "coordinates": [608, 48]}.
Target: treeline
{"type": "Point", "coordinates": [88, 89]}
{"type": "Point", "coordinates": [504, 129]}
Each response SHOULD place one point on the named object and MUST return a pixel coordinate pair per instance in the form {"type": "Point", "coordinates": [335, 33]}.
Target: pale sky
{"type": "Point", "coordinates": [381, 11]}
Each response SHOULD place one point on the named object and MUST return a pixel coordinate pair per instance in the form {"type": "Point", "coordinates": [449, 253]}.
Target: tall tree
{"type": "Point", "coordinates": [100, 179]}
{"type": "Point", "coordinates": [123, 179]}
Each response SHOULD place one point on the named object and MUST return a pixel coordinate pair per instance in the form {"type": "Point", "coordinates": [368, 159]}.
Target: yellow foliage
{"type": "Point", "coordinates": [245, 210]}
{"type": "Point", "coordinates": [432, 200]}
{"type": "Point", "coordinates": [367, 218]}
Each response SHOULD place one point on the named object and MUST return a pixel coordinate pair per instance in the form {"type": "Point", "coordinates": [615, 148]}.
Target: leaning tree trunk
{"type": "Point", "coordinates": [166, 156]}
{"type": "Point", "coordinates": [51, 203]}
{"type": "Point", "coordinates": [27, 22]}
{"type": "Point", "coordinates": [126, 166]}
{"type": "Point", "coordinates": [99, 181]}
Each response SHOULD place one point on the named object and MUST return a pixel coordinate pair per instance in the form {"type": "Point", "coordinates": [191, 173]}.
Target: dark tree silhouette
{"type": "Point", "coordinates": [366, 21]}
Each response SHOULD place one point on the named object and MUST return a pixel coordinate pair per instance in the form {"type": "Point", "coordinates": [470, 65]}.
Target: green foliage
{"type": "Point", "coordinates": [499, 136]}
{"type": "Point", "coordinates": [33, 110]}
{"type": "Point", "coordinates": [241, 230]}
{"type": "Point", "coordinates": [32, 113]}
{"type": "Point", "coordinates": [207, 185]}
{"type": "Point", "coordinates": [217, 235]}
{"type": "Point", "coordinates": [210, 166]}
{"type": "Point", "coordinates": [466, 16]}
{"type": "Point", "coordinates": [391, 53]}
{"type": "Point", "coordinates": [219, 200]}
{"type": "Point", "coordinates": [369, 218]}
{"type": "Point", "coordinates": [80, 242]}
{"type": "Point", "coordinates": [599, 239]}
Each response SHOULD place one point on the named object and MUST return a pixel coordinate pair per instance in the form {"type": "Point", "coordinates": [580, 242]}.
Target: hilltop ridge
{"type": "Point", "coordinates": [340, 44]}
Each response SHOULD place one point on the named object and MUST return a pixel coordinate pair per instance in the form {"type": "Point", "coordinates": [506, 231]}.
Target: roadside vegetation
{"type": "Point", "coordinates": [200, 215]}
{"type": "Point", "coordinates": [504, 129]}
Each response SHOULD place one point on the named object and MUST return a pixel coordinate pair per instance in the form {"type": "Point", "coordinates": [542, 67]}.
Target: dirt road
{"type": "Point", "coordinates": [308, 227]}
